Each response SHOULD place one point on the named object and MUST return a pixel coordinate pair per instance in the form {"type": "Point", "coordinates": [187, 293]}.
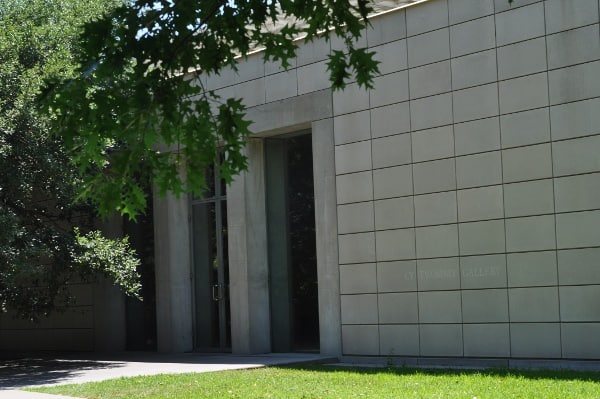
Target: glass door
{"type": "Point", "coordinates": [293, 282]}
{"type": "Point", "coordinates": [211, 272]}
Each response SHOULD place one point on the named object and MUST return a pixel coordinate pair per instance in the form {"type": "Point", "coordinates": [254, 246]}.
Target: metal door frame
{"type": "Point", "coordinates": [220, 291]}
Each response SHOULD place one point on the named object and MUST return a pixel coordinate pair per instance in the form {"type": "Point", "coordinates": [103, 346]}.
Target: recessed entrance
{"type": "Point", "coordinates": [292, 243]}
{"type": "Point", "coordinates": [211, 267]}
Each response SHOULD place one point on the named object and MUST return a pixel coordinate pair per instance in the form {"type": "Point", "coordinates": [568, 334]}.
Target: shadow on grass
{"type": "Point", "coordinates": [567, 375]}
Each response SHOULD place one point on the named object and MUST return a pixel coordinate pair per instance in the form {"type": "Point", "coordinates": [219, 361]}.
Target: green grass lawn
{"type": "Point", "coordinates": [317, 381]}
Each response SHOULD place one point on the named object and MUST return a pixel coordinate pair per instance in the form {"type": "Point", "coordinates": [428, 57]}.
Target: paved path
{"type": "Point", "coordinates": [39, 371]}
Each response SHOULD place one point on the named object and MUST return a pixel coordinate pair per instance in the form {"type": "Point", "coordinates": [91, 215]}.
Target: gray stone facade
{"type": "Point", "coordinates": [467, 197]}
{"type": "Point", "coordinates": [457, 204]}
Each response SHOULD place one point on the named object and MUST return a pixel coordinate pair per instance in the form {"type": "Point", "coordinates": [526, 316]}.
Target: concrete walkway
{"type": "Point", "coordinates": [75, 369]}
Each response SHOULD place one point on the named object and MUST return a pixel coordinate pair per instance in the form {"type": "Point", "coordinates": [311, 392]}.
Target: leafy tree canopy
{"type": "Point", "coordinates": [39, 250]}
{"type": "Point", "coordinates": [134, 113]}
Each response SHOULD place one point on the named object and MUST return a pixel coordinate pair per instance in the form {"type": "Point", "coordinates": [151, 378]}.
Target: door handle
{"type": "Point", "coordinates": [217, 292]}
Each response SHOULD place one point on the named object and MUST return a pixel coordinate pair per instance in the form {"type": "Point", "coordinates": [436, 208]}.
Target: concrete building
{"type": "Point", "coordinates": [456, 207]}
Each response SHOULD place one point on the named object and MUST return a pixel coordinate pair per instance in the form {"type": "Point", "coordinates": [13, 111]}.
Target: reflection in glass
{"type": "Point", "coordinates": [292, 244]}
{"type": "Point", "coordinates": [302, 243]}
{"type": "Point", "coordinates": [211, 273]}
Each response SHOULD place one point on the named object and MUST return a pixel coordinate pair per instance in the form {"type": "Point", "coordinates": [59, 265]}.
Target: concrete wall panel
{"type": "Point", "coordinates": [472, 36]}
{"type": "Point", "coordinates": [530, 269]}
{"type": "Point", "coordinates": [487, 340]}
{"type": "Point", "coordinates": [313, 77]}
{"type": "Point", "coordinates": [392, 151]}
{"type": "Point", "coordinates": [351, 127]}
{"type": "Point", "coordinates": [394, 213]}
{"type": "Point", "coordinates": [535, 340]}
{"type": "Point", "coordinates": [520, 94]}
{"type": "Point", "coordinates": [387, 28]}
{"type": "Point", "coordinates": [464, 10]}
{"type": "Point", "coordinates": [480, 203]}
{"type": "Point", "coordinates": [359, 309]}
{"type": "Point", "coordinates": [391, 119]}
{"type": "Point", "coordinates": [360, 278]}
{"type": "Point", "coordinates": [441, 340]}
{"type": "Point", "coordinates": [475, 103]}
{"type": "Point", "coordinates": [430, 79]}
{"type": "Point", "coordinates": [524, 128]}
{"type": "Point", "coordinates": [575, 119]}
{"type": "Point", "coordinates": [360, 340]}
{"type": "Point", "coordinates": [281, 85]}
{"type": "Point", "coordinates": [539, 304]}
{"type": "Point", "coordinates": [485, 306]}
{"type": "Point", "coordinates": [354, 187]}
{"type": "Point", "coordinates": [392, 182]}
{"type": "Point", "coordinates": [392, 56]}
{"type": "Point", "coordinates": [395, 244]}
{"type": "Point", "coordinates": [397, 276]}
{"type": "Point", "coordinates": [434, 176]}
{"type": "Point", "coordinates": [579, 229]}
{"type": "Point", "coordinates": [389, 89]}
{"type": "Point", "coordinates": [353, 157]}
{"type": "Point", "coordinates": [395, 308]}
{"type": "Point", "coordinates": [438, 274]}
{"type": "Point", "coordinates": [352, 99]}
{"type": "Point", "coordinates": [577, 193]}
{"type": "Point", "coordinates": [432, 144]}
{"type": "Point", "coordinates": [528, 198]}
{"type": "Point", "coordinates": [428, 48]}
{"type": "Point", "coordinates": [534, 233]}
{"type": "Point", "coordinates": [437, 241]}
{"type": "Point", "coordinates": [580, 340]}
{"type": "Point", "coordinates": [355, 218]}
{"type": "Point", "coordinates": [430, 16]}
{"type": "Point", "coordinates": [431, 112]}
{"type": "Point", "coordinates": [477, 136]}
{"type": "Point", "coordinates": [574, 83]}
{"type": "Point", "coordinates": [478, 238]}
{"type": "Point", "coordinates": [576, 156]}
{"type": "Point", "coordinates": [520, 24]}
{"type": "Point", "coordinates": [437, 208]}
{"type": "Point", "coordinates": [479, 170]}
{"type": "Point", "coordinates": [357, 248]}
{"type": "Point", "coordinates": [440, 307]}
{"type": "Point", "coordinates": [574, 47]}
{"type": "Point", "coordinates": [563, 15]}
{"type": "Point", "coordinates": [399, 340]}
{"type": "Point", "coordinates": [485, 271]}
{"type": "Point", "coordinates": [474, 69]}
{"type": "Point", "coordinates": [527, 163]}
{"type": "Point", "coordinates": [522, 58]}
{"type": "Point", "coordinates": [579, 266]}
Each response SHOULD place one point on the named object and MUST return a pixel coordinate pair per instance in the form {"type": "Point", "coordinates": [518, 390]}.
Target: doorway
{"type": "Point", "coordinates": [291, 234]}
{"type": "Point", "coordinates": [212, 331]}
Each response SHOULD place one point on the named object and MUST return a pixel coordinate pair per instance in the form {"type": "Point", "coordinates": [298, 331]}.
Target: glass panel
{"type": "Point", "coordinates": [222, 183]}
{"type": "Point", "coordinates": [211, 271]}
{"type": "Point", "coordinates": [210, 182]}
{"type": "Point", "coordinates": [206, 274]}
{"type": "Point", "coordinates": [278, 242]}
{"type": "Point", "coordinates": [209, 192]}
{"type": "Point", "coordinates": [302, 243]}
{"type": "Point", "coordinates": [225, 282]}
{"type": "Point", "coordinates": [292, 244]}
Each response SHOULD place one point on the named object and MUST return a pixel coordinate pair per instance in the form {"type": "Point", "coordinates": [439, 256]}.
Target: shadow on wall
{"type": "Point", "coordinates": [42, 371]}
